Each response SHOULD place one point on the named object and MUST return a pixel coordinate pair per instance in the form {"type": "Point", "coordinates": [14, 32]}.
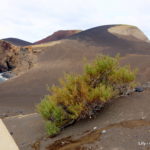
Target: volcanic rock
{"type": "Point", "coordinates": [14, 58]}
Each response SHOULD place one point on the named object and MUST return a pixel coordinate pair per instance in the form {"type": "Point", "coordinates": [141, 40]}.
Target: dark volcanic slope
{"type": "Point", "coordinates": [17, 42]}
{"type": "Point", "coordinates": [23, 92]}
{"type": "Point", "coordinates": [128, 39]}
{"type": "Point", "coordinates": [59, 35]}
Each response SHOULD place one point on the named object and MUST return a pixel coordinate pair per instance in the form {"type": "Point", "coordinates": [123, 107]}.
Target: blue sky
{"type": "Point", "coordinates": [33, 20]}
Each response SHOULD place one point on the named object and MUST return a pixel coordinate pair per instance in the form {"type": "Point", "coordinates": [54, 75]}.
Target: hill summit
{"type": "Point", "coordinates": [128, 30]}
{"type": "Point", "coordinates": [59, 35]}
{"type": "Point", "coordinates": [17, 42]}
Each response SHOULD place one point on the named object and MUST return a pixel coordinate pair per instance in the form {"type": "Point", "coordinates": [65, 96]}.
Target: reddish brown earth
{"type": "Point", "coordinates": [126, 119]}
{"type": "Point", "coordinates": [59, 35]}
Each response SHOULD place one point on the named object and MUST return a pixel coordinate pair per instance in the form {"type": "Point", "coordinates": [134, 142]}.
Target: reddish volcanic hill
{"type": "Point", "coordinates": [62, 34]}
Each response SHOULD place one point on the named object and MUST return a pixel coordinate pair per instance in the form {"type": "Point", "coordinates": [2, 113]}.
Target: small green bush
{"type": "Point", "coordinates": [78, 96]}
{"type": "Point", "coordinates": [52, 128]}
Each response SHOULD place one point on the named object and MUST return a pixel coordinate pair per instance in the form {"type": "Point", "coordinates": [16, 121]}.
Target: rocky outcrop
{"type": "Point", "coordinates": [59, 35]}
{"type": "Point", "coordinates": [13, 58]}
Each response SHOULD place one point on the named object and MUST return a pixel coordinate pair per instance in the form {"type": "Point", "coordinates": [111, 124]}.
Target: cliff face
{"type": "Point", "coordinates": [8, 56]}
{"type": "Point", "coordinates": [58, 36]}
{"type": "Point", "coordinates": [13, 58]}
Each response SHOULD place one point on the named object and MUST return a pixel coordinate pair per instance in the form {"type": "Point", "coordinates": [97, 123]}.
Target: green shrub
{"type": "Point", "coordinates": [52, 128]}
{"type": "Point", "coordinates": [78, 96]}
{"type": "Point", "coordinates": [102, 93]}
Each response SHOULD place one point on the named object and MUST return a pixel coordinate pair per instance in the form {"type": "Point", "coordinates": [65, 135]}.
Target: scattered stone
{"type": "Point", "coordinates": [103, 131]}
{"type": "Point", "coordinates": [62, 143]}
{"type": "Point", "coordinates": [94, 128]}
{"type": "Point", "coordinates": [11, 133]}
{"type": "Point", "coordinates": [139, 89]}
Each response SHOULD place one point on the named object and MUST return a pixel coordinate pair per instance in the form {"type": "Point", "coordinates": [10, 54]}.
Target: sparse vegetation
{"type": "Point", "coordinates": [79, 96]}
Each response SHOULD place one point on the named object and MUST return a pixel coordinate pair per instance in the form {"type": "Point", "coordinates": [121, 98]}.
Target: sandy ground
{"type": "Point", "coordinates": [21, 94]}
{"type": "Point", "coordinates": [120, 125]}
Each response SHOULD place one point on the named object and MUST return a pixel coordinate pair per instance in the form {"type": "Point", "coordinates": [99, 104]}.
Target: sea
{"type": "Point", "coordinates": [2, 79]}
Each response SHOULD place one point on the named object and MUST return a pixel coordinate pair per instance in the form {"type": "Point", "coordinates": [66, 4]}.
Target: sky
{"type": "Point", "coordinates": [33, 20]}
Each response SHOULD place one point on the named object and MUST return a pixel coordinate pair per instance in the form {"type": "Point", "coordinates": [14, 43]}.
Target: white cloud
{"type": "Point", "coordinates": [34, 19]}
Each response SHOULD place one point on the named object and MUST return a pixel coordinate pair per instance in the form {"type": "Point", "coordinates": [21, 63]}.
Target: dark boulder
{"type": "Point", "coordinates": [139, 89]}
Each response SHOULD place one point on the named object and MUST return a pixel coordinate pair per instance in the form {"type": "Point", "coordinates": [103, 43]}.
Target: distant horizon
{"type": "Point", "coordinates": [148, 36]}
{"type": "Point", "coordinates": [32, 20]}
